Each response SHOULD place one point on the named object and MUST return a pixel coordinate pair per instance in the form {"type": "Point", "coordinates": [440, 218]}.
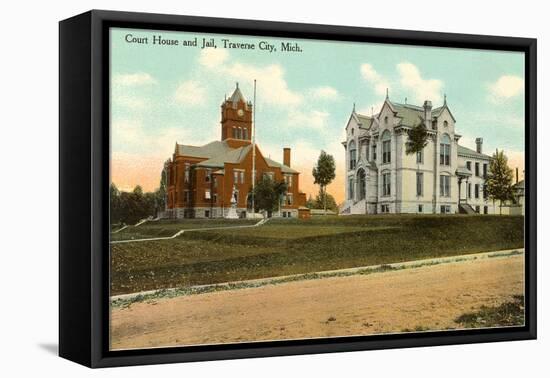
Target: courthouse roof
{"type": "Point", "coordinates": [218, 153]}
{"type": "Point", "coordinates": [237, 95]}
{"type": "Point", "coordinates": [284, 168]}
{"type": "Point", "coordinates": [233, 156]}
{"type": "Point", "coordinates": [207, 151]}
{"type": "Point", "coordinates": [366, 121]}
{"type": "Point", "coordinates": [411, 115]}
{"type": "Point", "coordinates": [464, 151]}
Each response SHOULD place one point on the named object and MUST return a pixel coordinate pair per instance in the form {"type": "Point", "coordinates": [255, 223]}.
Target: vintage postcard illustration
{"type": "Point", "coordinates": [268, 189]}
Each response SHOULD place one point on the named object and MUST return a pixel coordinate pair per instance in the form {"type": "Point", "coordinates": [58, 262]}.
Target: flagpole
{"type": "Point", "coordinates": [254, 150]}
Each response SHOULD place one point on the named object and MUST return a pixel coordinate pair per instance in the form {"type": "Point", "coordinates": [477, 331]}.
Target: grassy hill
{"type": "Point", "coordinates": [290, 246]}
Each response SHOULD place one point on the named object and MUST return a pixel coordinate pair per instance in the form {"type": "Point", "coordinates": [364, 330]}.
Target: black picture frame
{"type": "Point", "coordinates": [84, 188]}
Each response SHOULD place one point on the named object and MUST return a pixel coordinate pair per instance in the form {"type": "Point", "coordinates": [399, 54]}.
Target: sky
{"type": "Point", "coordinates": [162, 94]}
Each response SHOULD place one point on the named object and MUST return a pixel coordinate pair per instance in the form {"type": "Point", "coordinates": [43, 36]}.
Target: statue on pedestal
{"type": "Point", "coordinates": [232, 213]}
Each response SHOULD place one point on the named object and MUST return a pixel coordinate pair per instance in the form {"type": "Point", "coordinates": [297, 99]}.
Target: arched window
{"type": "Point", "coordinates": [352, 155]}
{"type": "Point", "coordinates": [445, 150]}
{"type": "Point", "coordinates": [445, 123]}
{"type": "Point", "coordinates": [386, 147]}
{"type": "Point", "coordinates": [361, 187]}
{"type": "Point", "coordinates": [386, 120]}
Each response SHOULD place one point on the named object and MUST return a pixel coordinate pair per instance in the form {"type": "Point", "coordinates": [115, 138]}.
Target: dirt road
{"type": "Point", "coordinates": [429, 297]}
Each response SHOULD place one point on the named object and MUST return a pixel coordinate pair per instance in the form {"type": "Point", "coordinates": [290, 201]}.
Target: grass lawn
{"type": "Point", "coordinates": [164, 228]}
{"type": "Point", "coordinates": [508, 314]}
{"type": "Point", "coordinates": [290, 246]}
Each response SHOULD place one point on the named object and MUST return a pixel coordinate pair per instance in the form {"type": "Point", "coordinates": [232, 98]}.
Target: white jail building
{"type": "Point", "coordinates": [382, 178]}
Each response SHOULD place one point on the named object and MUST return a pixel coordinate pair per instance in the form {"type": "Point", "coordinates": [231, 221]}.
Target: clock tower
{"type": "Point", "coordinates": [237, 119]}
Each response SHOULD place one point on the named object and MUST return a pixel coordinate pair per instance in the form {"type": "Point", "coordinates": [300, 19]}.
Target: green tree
{"type": "Point", "coordinates": [160, 193]}
{"type": "Point", "coordinates": [325, 200]}
{"type": "Point", "coordinates": [268, 194]}
{"type": "Point", "coordinates": [498, 185]}
{"type": "Point", "coordinates": [114, 197]}
{"type": "Point", "coordinates": [138, 191]}
{"type": "Point", "coordinates": [324, 172]}
{"type": "Point", "coordinates": [280, 189]}
{"type": "Point", "coordinates": [130, 207]}
{"type": "Point", "coordinates": [310, 203]}
{"type": "Point", "coordinates": [417, 139]}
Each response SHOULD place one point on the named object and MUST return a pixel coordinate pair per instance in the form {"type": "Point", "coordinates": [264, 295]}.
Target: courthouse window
{"type": "Point", "coordinates": [419, 183]}
{"type": "Point", "coordinates": [420, 157]}
{"type": "Point", "coordinates": [386, 147]}
{"type": "Point", "coordinates": [445, 150]}
{"type": "Point", "coordinates": [386, 184]}
{"type": "Point", "coordinates": [445, 185]}
{"type": "Point", "coordinates": [352, 155]}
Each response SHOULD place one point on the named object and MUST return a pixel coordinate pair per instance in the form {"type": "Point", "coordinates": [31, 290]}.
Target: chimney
{"type": "Point", "coordinates": [428, 114]}
{"type": "Point", "coordinates": [479, 145]}
{"type": "Point", "coordinates": [286, 156]}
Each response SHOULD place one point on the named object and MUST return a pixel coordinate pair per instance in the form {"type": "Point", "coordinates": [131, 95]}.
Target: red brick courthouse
{"type": "Point", "coordinates": [202, 180]}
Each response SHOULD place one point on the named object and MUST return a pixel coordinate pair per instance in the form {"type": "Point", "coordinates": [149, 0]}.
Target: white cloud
{"type": "Point", "coordinates": [422, 89]}
{"type": "Point", "coordinates": [379, 83]}
{"type": "Point", "coordinates": [212, 58]}
{"type": "Point", "coordinates": [506, 87]}
{"type": "Point", "coordinates": [309, 119]}
{"type": "Point", "coordinates": [190, 93]}
{"type": "Point", "coordinates": [125, 93]}
{"type": "Point", "coordinates": [371, 110]}
{"type": "Point", "coordinates": [129, 135]}
{"type": "Point", "coordinates": [125, 133]}
{"type": "Point", "coordinates": [130, 102]}
{"type": "Point", "coordinates": [271, 84]}
{"type": "Point", "coordinates": [498, 119]}
{"type": "Point", "coordinates": [325, 93]}
{"type": "Point", "coordinates": [135, 79]}
{"type": "Point", "coordinates": [303, 152]}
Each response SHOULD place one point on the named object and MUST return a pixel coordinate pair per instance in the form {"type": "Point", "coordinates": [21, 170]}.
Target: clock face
{"type": "Point", "coordinates": [240, 112]}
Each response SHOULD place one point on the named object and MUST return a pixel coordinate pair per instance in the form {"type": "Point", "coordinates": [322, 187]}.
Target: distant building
{"type": "Point", "coordinates": [519, 197]}
{"type": "Point", "coordinates": [202, 180]}
{"type": "Point", "coordinates": [444, 177]}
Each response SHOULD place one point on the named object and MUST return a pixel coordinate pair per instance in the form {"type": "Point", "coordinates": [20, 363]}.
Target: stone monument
{"type": "Point", "coordinates": [232, 213]}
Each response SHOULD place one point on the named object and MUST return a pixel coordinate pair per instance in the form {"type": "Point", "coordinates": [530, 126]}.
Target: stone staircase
{"type": "Point", "coordinates": [465, 208]}
{"type": "Point", "coordinates": [359, 207]}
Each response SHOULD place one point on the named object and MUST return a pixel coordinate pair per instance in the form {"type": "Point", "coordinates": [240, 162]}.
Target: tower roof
{"type": "Point", "coordinates": [237, 95]}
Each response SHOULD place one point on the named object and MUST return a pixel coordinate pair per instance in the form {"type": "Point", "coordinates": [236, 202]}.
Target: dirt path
{"type": "Point", "coordinates": [430, 297]}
